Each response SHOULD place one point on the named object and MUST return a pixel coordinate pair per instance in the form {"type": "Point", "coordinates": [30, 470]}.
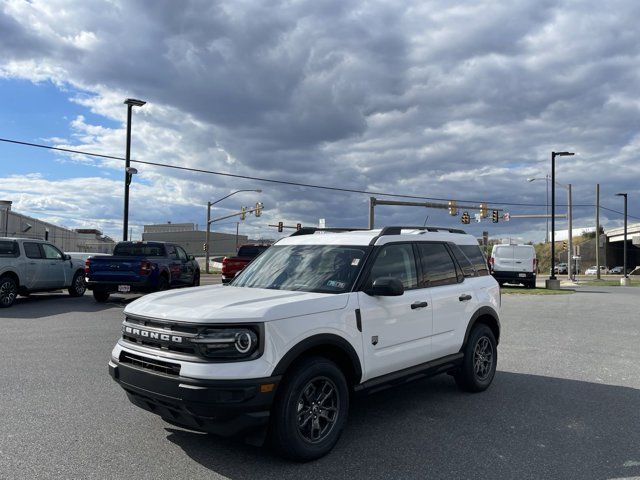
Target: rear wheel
{"type": "Point", "coordinates": [78, 287]}
{"type": "Point", "coordinates": [310, 410]}
{"type": "Point", "coordinates": [8, 291]}
{"type": "Point", "coordinates": [480, 359]}
{"type": "Point", "coordinates": [101, 296]}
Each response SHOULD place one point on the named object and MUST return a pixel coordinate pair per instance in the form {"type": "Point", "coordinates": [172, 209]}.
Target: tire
{"type": "Point", "coordinates": [163, 283]}
{"type": "Point", "coordinates": [101, 296]}
{"type": "Point", "coordinates": [470, 378]}
{"type": "Point", "coordinates": [8, 291]}
{"type": "Point", "coordinates": [196, 279]}
{"type": "Point", "coordinates": [78, 287]}
{"type": "Point", "coordinates": [314, 383]}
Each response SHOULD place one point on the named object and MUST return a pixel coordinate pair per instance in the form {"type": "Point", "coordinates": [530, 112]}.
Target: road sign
{"type": "Point", "coordinates": [478, 217]}
{"type": "Point", "coordinates": [506, 217]}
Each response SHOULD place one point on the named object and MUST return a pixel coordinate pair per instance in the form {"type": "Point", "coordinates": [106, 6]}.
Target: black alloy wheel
{"type": "Point", "coordinates": [8, 291]}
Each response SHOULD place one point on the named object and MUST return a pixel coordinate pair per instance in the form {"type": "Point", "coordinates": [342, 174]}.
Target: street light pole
{"type": "Point", "coordinates": [209, 204]}
{"type": "Point", "coordinates": [570, 233]}
{"type": "Point", "coordinates": [553, 282]}
{"type": "Point", "coordinates": [130, 103]}
{"type": "Point", "coordinates": [625, 278]}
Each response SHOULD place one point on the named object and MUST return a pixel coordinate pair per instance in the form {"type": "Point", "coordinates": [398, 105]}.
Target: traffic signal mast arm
{"type": "Point", "coordinates": [236, 214]}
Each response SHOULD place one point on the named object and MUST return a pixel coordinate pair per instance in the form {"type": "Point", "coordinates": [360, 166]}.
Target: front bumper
{"type": "Point", "coordinates": [222, 407]}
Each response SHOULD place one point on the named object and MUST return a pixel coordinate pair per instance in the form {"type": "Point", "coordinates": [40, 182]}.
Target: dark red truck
{"type": "Point", "coordinates": [231, 266]}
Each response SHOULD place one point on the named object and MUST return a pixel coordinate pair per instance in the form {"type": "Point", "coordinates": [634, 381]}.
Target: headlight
{"type": "Point", "coordinates": [228, 343]}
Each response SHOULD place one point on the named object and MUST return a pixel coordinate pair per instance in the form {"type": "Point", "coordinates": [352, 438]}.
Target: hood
{"type": "Point", "coordinates": [227, 304]}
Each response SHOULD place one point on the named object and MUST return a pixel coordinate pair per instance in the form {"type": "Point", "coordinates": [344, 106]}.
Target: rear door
{"type": "Point", "coordinates": [452, 297]}
{"type": "Point", "coordinates": [35, 264]}
{"type": "Point", "coordinates": [503, 260]}
{"type": "Point", "coordinates": [523, 256]}
{"type": "Point", "coordinates": [396, 331]}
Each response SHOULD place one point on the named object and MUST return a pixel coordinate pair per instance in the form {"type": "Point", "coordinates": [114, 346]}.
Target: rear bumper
{"type": "Point", "coordinates": [222, 407]}
{"type": "Point", "coordinates": [514, 277]}
{"type": "Point", "coordinates": [112, 286]}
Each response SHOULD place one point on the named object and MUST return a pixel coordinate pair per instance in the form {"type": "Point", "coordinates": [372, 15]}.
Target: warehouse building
{"type": "Point", "coordinates": [192, 240]}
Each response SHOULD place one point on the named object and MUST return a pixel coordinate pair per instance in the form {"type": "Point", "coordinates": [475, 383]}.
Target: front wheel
{"type": "Point", "coordinates": [196, 279]}
{"type": "Point", "coordinates": [78, 286]}
{"type": "Point", "coordinates": [310, 411]}
{"type": "Point", "coordinates": [479, 362]}
{"type": "Point", "coordinates": [8, 291]}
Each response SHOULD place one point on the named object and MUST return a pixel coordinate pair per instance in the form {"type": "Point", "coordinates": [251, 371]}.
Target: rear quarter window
{"type": "Point", "coordinates": [9, 249]}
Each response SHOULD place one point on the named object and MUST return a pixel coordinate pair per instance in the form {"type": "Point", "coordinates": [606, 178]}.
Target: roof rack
{"type": "Point", "coordinates": [398, 231]}
{"type": "Point", "coordinates": [312, 230]}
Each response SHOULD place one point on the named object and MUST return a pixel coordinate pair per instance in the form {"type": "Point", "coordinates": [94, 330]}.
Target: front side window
{"type": "Point", "coordinates": [398, 261]}
{"type": "Point", "coordinates": [182, 255]}
{"type": "Point", "coordinates": [51, 252]}
{"type": "Point", "coordinates": [437, 265]}
{"type": "Point", "coordinates": [308, 268]}
{"type": "Point", "coordinates": [32, 250]}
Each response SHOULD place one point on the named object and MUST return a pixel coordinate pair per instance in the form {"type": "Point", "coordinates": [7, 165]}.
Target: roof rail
{"type": "Point", "coordinates": [398, 231]}
{"type": "Point", "coordinates": [312, 230]}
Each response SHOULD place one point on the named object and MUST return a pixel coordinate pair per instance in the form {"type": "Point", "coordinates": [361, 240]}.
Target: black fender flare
{"type": "Point", "coordinates": [320, 340]}
{"type": "Point", "coordinates": [482, 312]}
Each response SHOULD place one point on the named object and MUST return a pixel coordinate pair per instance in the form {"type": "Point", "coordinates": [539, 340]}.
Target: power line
{"type": "Point", "coordinates": [261, 179]}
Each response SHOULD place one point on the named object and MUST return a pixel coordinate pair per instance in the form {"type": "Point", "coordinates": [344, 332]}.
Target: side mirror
{"type": "Point", "coordinates": [67, 256]}
{"type": "Point", "coordinates": [386, 287]}
{"type": "Point", "coordinates": [191, 257]}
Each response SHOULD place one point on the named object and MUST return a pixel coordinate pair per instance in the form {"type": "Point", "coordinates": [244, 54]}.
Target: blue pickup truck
{"type": "Point", "coordinates": [140, 267]}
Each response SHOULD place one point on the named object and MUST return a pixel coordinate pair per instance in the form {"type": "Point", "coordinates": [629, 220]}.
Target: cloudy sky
{"type": "Point", "coordinates": [425, 98]}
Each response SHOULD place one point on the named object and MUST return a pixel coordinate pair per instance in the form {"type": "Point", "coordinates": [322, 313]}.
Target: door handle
{"type": "Point", "coordinates": [464, 298]}
{"type": "Point", "coordinates": [419, 305]}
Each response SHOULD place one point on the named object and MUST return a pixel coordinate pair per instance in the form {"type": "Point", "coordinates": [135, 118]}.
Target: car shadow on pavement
{"type": "Point", "coordinates": [524, 426]}
{"type": "Point", "coordinates": [40, 305]}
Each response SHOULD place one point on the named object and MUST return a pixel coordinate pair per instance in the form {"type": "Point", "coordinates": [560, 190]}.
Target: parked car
{"type": "Point", "coordinates": [28, 266]}
{"type": "Point", "coordinates": [620, 270]}
{"type": "Point", "coordinates": [561, 269]}
{"type": "Point", "coordinates": [138, 267]}
{"type": "Point", "coordinates": [512, 263]}
{"type": "Point", "coordinates": [312, 320]}
{"type": "Point", "coordinates": [594, 269]}
{"type": "Point", "coordinates": [231, 266]}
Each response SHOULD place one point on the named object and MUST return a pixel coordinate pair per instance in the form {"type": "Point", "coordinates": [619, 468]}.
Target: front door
{"type": "Point", "coordinates": [187, 270]}
{"type": "Point", "coordinates": [56, 267]}
{"type": "Point", "coordinates": [396, 331]}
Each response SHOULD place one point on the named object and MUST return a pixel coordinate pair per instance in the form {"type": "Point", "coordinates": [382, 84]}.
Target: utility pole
{"type": "Point", "coordinates": [570, 232]}
{"type": "Point", "coordinates": [598, 231]}
{"type": "Point", "coordinates": [128, 171]}
{"type": "Point", "coordinates": [372, 206]}
{"type": "Point", "coordinates": [206, 241]}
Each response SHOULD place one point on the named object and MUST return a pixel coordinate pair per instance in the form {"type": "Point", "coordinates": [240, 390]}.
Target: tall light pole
{"type": "Point", "coordinates": [209, 204]}
{"type": "Point", "coordinates": [553, 282]}
{"type": "Point", "coordinates": [546, 201]}
{"type": "Point", "coordinates": [130, 103]}
{"type": "Point", "coordinates": [625, 278]}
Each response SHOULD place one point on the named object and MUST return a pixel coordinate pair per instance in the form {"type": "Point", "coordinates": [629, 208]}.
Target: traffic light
{"type": "Point", "coordinates": [205, 247]}
{"type": "Point", "coordinates": [484, 210]}
{"type": "Point", "coordinates": [494, 216]}
{"type": "Point", "coordinates": [453, 209]}
{"type": "Point", "coordinates": [564, 245]}
{"type": "Point", "coordinates": [466, 219]}
{"type": "Point", "coordinates": [280, 226]}
{"type": "Point", "coordinates": [298, 226]}
{"type": "Point", "coordinates": [258, 210]}
{"type": "Point", "coordinates": [243, 213]}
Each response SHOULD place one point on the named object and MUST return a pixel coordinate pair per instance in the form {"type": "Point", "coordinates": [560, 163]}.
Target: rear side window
{"type": "Point", "coordinates": [437, 265]}
{"type": "Point", "coordinates": [475, 255]}
{"type": "Point", "coordinates": [139, 250]}
{"type": "Point", "coordinates": [9, 249]}
{"type": "Point", "coordinates": [251, 250]}
{"type": "Point", "coordinates": [468, 269]}
{"type": "Point", "coordinates": [32, 250]}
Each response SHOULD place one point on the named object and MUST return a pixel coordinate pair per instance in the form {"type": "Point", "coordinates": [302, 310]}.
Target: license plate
{"type": "Point", "coordinates": [523, 275]}
{"type": "Point", "coordinates": [124, 288]}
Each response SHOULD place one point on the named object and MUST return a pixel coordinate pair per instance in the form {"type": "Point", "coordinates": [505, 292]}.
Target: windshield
{"type": "Point", "coordinates": [308, 268]}
{"type": "Point", "coordinates": [139, 250]}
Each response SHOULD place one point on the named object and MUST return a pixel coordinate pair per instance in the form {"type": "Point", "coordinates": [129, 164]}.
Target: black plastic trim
{"type": "Point", "coordinates": [323, 339]}
{"type": "Point", "coordinates": [358, 320]}
{"type": "Point", "coordinates": [427, 369]}
{"type": "Point", "coordinates": [482, 311]}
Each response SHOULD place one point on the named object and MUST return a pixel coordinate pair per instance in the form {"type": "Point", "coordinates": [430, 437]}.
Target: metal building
{"type": "Point", "coordinates": [193, 240]}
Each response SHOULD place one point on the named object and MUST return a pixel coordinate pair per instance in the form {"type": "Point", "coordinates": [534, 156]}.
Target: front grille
{"type": "Point", "coordinates": [169, 328]}
{"type": "Point", "coordinates": [159, 366]}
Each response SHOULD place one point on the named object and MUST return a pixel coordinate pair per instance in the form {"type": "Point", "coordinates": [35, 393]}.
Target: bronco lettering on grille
{"type": "Point", "coordinates": [163, 337]}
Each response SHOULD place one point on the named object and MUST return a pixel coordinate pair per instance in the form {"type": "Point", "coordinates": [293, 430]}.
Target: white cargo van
{"type": "Point", "coordinates": [514, 264]}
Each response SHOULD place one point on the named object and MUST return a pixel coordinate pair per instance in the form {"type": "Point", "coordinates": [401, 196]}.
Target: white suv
{"type": "Point", "coordinates": [315, 318]}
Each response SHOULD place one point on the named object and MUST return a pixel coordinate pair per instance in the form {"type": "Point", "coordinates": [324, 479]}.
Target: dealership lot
{"type": "Point", "coordinates": [565, 404]}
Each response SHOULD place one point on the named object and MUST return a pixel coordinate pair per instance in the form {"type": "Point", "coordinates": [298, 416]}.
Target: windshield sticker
{"type": "Point", "coordinates": [336, 284]}
{"type": "Point", "coordinates": [355, 262]}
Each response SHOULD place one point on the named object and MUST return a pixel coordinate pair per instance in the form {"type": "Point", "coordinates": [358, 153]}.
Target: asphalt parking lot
{"type": "Point", "coordinates": [565, 403]}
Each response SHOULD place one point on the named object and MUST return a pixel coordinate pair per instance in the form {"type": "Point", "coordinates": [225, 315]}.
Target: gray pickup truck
{"type": "Point", "coordinates": [28, 265]}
